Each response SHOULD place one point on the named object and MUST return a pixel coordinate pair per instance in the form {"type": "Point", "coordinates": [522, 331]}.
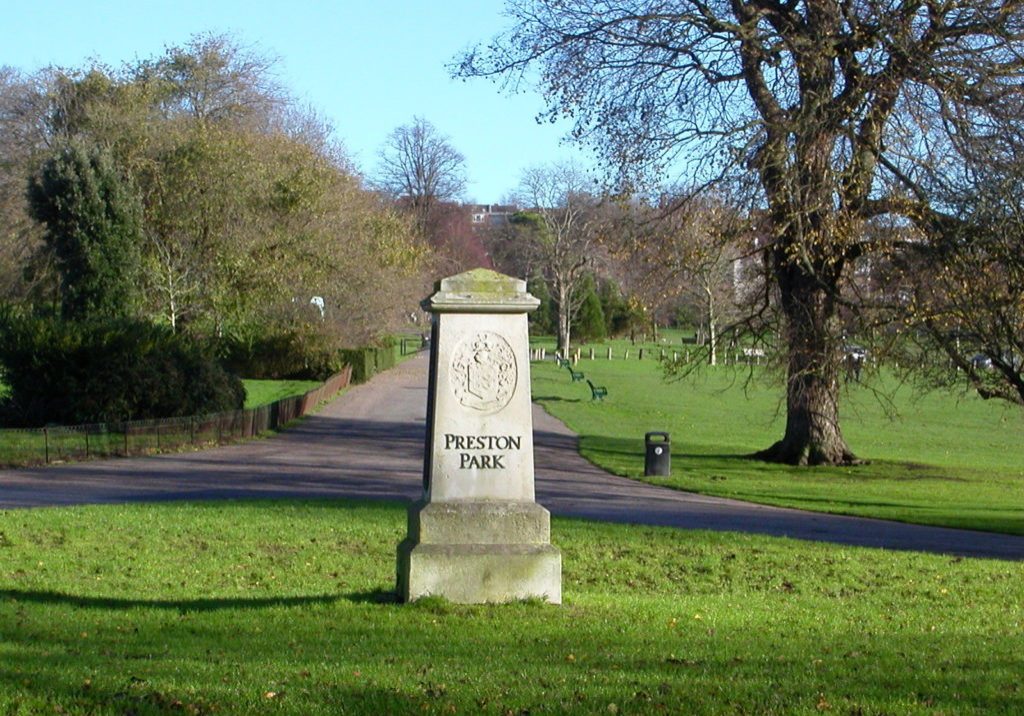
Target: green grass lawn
{"type": "Point", "coordinates": [941, 459]}
{"type": "Point", "coordinates": [264, 392]}
{"type": "Point", "coordinates": [286, 607]}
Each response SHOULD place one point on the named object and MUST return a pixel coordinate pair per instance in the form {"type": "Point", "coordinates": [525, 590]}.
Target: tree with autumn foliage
{"type": "Point", "coordinates": [684, 250]}
{"type": "Point", "coordinates": [827, 110]}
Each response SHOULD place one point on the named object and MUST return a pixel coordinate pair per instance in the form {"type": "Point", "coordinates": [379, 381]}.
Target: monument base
{"type": "Point", "coordinates": [479, 551]}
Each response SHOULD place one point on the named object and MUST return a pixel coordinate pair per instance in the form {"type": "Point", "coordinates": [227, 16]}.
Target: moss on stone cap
{"type": "Point", "coordinates": [481, 290]}
{"type": "Point", "coordinates": [482, 281]}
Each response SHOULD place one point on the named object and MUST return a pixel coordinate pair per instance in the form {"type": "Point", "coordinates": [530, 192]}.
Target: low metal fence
{"type": "Point", "coordinates": [53, 444]}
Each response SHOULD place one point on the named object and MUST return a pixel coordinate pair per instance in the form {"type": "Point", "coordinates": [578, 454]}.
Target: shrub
{"type": "Point", "coordinates": [368, 361]}
{"type": "Point", "coordinates": [85, 372]}
{"type": "Point", "coordinates": [284, 354]}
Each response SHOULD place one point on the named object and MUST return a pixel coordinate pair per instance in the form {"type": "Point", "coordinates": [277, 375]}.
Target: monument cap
{"type": "Point", "coordinates": [481, 291]}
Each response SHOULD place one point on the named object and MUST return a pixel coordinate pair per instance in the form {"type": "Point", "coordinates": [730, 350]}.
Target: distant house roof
{"type": "Point", "coordinates": [491, 213]}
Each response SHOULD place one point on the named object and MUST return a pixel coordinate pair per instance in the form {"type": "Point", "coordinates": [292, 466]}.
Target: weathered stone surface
{"type": "Point", "coordinates": [481, 438]}
{"type": "Point", "coordinates": [479, 522]}
{"type": "Point", "coordinates": [481, 291]}
{"type": "Point", "coordinates": [476, 574]}
{"type": "Point", "coordinates": [478, 535]}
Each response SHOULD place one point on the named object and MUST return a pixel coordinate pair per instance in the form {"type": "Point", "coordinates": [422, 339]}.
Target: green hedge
{"type": "Point", "coordinates": [368, 361]}
{"type": "Point", "coordinates": [72, 372]}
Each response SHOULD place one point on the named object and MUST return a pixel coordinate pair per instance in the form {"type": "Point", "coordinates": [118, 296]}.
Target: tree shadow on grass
{"type": "Point", "coordinates": [374, 596]}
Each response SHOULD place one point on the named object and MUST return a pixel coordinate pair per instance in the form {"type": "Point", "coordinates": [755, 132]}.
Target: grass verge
{"type": "Point", "coordinates": [285, 607]}
{"type": "Point", "coordinates": [942, 459]}
{"type": "Point", "coordinates": [264, 392]}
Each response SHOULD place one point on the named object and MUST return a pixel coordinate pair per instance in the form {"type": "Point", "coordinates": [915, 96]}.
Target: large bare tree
{"type": "Point", "coordinates": [561, 233]}
{"type": "Point", "coordinates": [831, 107]}
{"type": "Point", "coordinates": [420, 166]}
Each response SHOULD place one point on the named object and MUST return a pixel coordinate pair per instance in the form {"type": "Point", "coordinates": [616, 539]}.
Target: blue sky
{"type": "Point", "coordinates": [368, 66]}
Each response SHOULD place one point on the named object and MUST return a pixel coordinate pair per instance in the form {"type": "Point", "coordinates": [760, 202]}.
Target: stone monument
{"type": "Point", "coordinates": [478, 535]}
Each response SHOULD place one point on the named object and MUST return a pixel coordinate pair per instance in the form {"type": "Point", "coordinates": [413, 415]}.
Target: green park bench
{"type": "Point", "coordinates": [576, 375]}
{"type": "Point", "coordinates": [562, 362]}
{"type": "Point", "coordinates": [597, 392]}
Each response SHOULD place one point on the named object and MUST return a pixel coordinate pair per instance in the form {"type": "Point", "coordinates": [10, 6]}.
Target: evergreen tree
{"type": "Point", "coordinates": [92, 218]}
{"type": "Point", "coordinates": [590, 319]}
{"type": "Point", "coordinates": [542, 321]}
{"type": "Point", "coordinates": [615, 307]}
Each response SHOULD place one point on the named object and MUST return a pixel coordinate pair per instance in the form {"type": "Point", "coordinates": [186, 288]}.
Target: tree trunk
{"type": "Point", "coordinates": [712, 330]}
{"type": "Point", "coordinates": [564, 320]}
{"type": "Point", "coordinates": [813, 435]}
{"type": "Point", "coordinates": [713, 346]}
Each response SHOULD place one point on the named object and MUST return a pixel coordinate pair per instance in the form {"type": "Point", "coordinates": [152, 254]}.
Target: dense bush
{"type": "Point", "coordinates": [367, 362]}
{"type": "Point", "coordinates": [85, 372]}
{"type": "Point", "coordinates": [292, 354]}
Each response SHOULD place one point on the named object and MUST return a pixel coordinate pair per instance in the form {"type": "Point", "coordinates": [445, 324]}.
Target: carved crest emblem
{"type": "Point", "coordinates": [483, 372]}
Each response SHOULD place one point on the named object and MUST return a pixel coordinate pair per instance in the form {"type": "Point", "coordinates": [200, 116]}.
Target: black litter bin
{"type": "Point", "coordinates": [657, 454]}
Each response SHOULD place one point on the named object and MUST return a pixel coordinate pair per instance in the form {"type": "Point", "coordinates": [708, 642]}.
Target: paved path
{"type": "Point", "coordinates": [369, 444]}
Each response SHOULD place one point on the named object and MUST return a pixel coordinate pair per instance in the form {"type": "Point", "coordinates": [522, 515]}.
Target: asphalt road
{"type": "Point", "coordinates": [368, 443]}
